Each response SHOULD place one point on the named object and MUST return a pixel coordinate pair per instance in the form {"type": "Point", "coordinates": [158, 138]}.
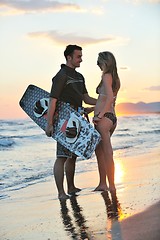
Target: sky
{"type": "Point", "coordinates": [34, 34]}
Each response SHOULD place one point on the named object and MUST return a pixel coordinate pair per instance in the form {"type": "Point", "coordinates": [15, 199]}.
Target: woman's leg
{"type": "Point", "coordinates": [102, 186]}
{"type": "Point", "coordinates": [109, 163]}
{"type": "Point", "coordinates": [106, 157]}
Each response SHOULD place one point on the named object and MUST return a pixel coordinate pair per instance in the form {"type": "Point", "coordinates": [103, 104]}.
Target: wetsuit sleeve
{"type": "Point", "coordinates": [58, 84]}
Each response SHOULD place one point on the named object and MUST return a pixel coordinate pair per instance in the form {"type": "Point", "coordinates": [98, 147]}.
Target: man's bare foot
{"type": "Point", "coordinates": [73, 191]}
{"type": "Point", "coordinates": [63, 196]}
{"type": "Point", "coordinates": [101, 188]}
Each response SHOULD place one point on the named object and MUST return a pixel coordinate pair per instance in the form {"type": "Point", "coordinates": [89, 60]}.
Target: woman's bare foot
{"type": "Point", "coordinates": [112, 189]}
{"type": "Point", "coordinates": [73, 191]}
{"type": "Point", "coordinates": [101, 188]}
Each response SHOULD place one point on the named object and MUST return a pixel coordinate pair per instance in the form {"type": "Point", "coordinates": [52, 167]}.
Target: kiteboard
{"type": "Point", "coordinates": [70, 128]}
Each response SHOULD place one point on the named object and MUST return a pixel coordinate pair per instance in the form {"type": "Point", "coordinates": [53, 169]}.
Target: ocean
{"type": "Point", "coordinates": [28, 155]}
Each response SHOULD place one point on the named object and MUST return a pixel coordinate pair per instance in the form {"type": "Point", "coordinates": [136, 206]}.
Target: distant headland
{"type": "Point", "coordinates": [140, 107]}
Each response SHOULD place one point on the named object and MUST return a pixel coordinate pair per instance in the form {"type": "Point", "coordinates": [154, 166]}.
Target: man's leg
{"type": "Point", "coordinates": [70, 171]}
{"type": "Point", "coordinates": [59, 177]}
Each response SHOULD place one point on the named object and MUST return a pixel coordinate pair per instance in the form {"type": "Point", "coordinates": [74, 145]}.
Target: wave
{"type": "Point", "coordinates": [10, 141]}
{"type": "Point", "coordinates": [20, 136]}
{"type": "Point", "coordinates": [24, 182]}
{"type": "Point", "coordinates": [123, 130]}
{"type": "Point", "coordinates": [156, 131]}
{"type": "Point", "coordinates": [122, 147]}
{"type": "Point", "coordinates": [12, 122]}
{"type": "Point", "coordinates": [17, 125]}
{"type": "Point", "coordinates": [3, 196]}
{"type": "Point", "coordinates": [6, 143]}
{"type": "Point", "coordinates": [123, 135]}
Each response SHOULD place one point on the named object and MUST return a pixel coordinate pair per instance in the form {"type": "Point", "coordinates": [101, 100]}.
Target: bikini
{"type": "Point", "coordinates": [110, 115]}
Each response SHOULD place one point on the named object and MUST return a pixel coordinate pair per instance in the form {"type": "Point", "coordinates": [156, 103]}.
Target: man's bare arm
{"type": "Point", "coordinates": [50, 115]}
{"type": "Point", "coordinates": [89, 100]}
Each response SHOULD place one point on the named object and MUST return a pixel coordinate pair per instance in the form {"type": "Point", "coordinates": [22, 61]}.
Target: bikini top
{"type": "Point", "coordinates": [102, 93]}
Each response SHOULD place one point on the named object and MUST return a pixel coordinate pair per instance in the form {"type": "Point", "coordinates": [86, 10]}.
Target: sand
{"type": "Point", "coordinates": [35, 212]}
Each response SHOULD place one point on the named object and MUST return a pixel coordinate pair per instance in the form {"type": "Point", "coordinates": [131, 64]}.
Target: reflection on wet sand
{"type": "Point", "coordinates": [78, 221]}
{"type": "Point", "coordinates": [75, 223]}
{"type": "Point", "coordinates": [114, 211]}
{"type": "Point", "coordinates": [112, 205]}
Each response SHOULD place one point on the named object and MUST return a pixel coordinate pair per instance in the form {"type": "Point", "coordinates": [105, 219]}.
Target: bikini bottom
{"type": "Point", "coordinates": [111, 116]}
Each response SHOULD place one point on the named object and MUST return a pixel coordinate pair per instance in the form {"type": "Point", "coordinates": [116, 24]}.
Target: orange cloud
{"type": "Point", "coordinates": [11, 7]}
{"type": "Point", "coordinates": [153, 88]}
{"type": "Point", "coordinates": [73, 37]}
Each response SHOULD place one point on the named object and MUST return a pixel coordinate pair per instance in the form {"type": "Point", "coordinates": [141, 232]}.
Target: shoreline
{"type": "Point", "coordinates": [36, 213]}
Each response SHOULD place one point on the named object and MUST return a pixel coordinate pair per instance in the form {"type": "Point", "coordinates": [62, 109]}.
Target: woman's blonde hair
{"type": "Point", "coordinates": [108, 60]}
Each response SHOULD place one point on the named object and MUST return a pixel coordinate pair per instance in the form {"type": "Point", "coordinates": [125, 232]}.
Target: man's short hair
{"type": "Point", "coordinates": [70, 49]}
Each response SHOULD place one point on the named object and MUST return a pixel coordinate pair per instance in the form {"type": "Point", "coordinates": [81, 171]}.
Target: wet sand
{"type": "Point", "coordinates": [133, 214]}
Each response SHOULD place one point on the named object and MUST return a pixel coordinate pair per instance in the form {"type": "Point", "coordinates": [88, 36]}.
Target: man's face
{"type": "Point", "coordinates": [75, 60]}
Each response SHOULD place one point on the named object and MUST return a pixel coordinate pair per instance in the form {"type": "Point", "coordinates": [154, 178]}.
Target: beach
{"type": "Point", "coordinates": [35, 212]}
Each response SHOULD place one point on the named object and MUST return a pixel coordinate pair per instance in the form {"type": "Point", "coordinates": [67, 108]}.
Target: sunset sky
{"type": "Point", "coordinates": [34, 34]}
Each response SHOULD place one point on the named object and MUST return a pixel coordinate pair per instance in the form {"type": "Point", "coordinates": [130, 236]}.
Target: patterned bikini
{"type": "Point", "coordinates": [110, 115]}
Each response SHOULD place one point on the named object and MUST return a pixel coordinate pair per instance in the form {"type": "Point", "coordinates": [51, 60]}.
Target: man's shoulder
{"type": "Point", "coordinates": [61, 73]}
{"type": "Point", "coordinates": [62, 69]}
{"type": "Point", "coordinates": [80, 75]}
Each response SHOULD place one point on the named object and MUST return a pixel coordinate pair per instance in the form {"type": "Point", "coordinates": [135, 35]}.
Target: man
{"type": "Point", "coordinates": [68, 86]}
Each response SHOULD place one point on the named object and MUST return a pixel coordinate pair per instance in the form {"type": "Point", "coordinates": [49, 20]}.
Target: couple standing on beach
{"type": "Point", "coordinates": [68, 85]}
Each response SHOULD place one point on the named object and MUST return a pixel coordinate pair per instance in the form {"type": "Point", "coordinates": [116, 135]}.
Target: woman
{"type": "Point", "coordinates": [105, 119]}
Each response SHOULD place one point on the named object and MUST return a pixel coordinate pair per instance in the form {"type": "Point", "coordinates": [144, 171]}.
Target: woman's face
{"type": "Point", "coordinates": [100, 65]}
